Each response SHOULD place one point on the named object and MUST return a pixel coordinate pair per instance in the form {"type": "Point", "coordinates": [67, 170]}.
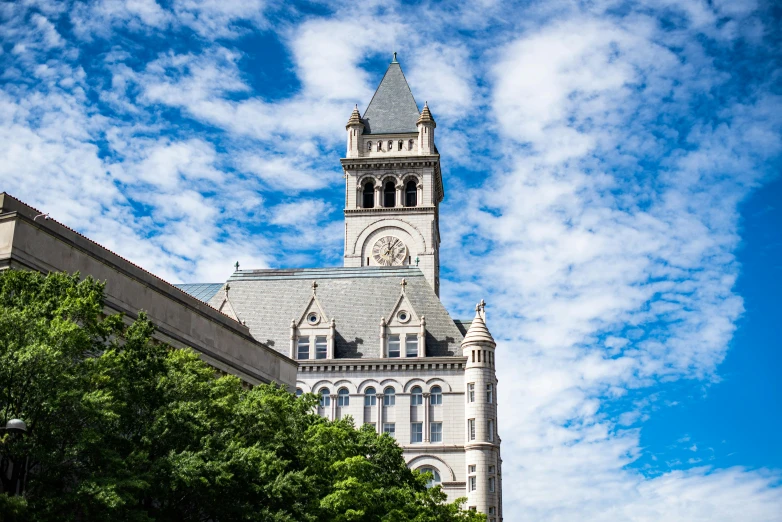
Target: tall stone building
{"type": "Point", "coordinates": [372, 338]}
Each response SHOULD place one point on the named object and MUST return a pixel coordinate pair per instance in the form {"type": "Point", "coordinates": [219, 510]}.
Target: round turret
{"type": "Point", "coordinates": [355, 129]}
{"type": "Point", "coordinates": [482, 444]}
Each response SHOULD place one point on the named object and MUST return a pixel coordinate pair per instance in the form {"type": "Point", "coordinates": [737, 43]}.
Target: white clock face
{"type": "Point", "coordinates": [389, 251]}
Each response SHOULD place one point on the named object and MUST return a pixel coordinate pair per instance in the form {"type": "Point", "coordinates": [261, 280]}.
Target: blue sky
{"type": "Point", "coordinates": [612, 190]}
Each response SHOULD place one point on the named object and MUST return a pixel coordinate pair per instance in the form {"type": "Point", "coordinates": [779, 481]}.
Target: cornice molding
{"type": "Point", "coordinates": [390, 210]}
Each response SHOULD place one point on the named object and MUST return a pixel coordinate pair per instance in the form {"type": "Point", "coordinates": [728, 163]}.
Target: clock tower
{"type": "Point", "coordinates": [393, 185]}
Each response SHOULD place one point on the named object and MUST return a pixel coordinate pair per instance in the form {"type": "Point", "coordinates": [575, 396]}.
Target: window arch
{"type": "Point", "coordinates": [369, 146]}
{"type": "Point", "coordinates": [399, 145]}
{"type": "Point", "coordinates": [436, 396]}
{"type": "Point", "coordinates": [411, 194]}
{"type": "Point", "coordinates": [416, 396]}
{"type": "Point", "coordinates": [389, 397]}
{"type": "Point", "coordinates": [389, 194]}
{"type": "Point", "coordinates": [369, 397]}
{"type": "Point", "coordinates": [410, 145]}
{"type": "Point", "coordinates": [343, 397]}
{"type": "Point", "coordinates": [390, 145]}
{"type": "Point", "coordinates": [435, 480]}
{"type": "Point", "coordinates": [325, 399]}
{"type": "Point", "coordinates": [379, 145]}
{"type": "Point", "coordinates": [368, 201]}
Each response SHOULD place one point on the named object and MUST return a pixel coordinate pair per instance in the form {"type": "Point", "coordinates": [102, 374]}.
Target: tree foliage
{"type": "Point", "coordinates": [123, 428]}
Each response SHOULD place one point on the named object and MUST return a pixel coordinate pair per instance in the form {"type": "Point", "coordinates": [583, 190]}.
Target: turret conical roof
{"type": "Point", "coordinates": [426, 116]}
{"type": "Point", "coordinates": [355, 118]}
{"type": "Point", "coordinates": [393, 109]}
{"type": "Point", "coordinates": [478, 333]}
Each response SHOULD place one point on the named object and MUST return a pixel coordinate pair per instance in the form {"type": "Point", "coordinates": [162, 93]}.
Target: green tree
{"type": "Point", "coordinates": [123, 428]}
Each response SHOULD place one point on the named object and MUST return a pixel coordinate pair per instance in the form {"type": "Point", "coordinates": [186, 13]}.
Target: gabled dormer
{"type": "Point", "coordinates": [312, 332]}
{"type": "Point", "coordinates": [225, 303]}
{"type": "Point", "coordinates": [403, 334]}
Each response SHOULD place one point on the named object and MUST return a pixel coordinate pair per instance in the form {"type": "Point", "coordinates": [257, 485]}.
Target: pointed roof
{"type": "Point", "coordinates": [478, 333]}
{"type": "Point", "coordinates": [355, 118]}
{"type": "Point", "coordinates": [393, 109]}
{"type": "Point", "coordinates": [426, 116]}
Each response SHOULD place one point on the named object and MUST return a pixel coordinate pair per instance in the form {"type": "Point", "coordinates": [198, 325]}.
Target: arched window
{"type": "Point", "coordinates": [369, 146]}
{"type": "Point", "coordinates": [399, 145]}
{"type": "Point", "coordinates": [437, 395]}
{"type": "Point", "coordinates": [343, 397]}
{"type": "Point", "coordinates": [325, 400]}
{"type": "Point", "coordinates": [416, 396]}
{"type": "Point", "coordinates": [389, 397]}
{"type": "Point", "coordinates": [299, 393]}
{"type": "Point", "coordinates": [410, 145]}
{"type": "Point", "coordinates": [389, 195]}
{"type": "Point", "coordinates": [435, 480]}
{"type": "Point", "coordinates": [379, 146]}
{"type": "Point", "coordinates": [411, 194]}
{"type": "Point", "coordinates": [369, 195]}
{"type": "Point", "coordinates": [369, 397]}
{"type": "Point", "coordinates": [390, 145]}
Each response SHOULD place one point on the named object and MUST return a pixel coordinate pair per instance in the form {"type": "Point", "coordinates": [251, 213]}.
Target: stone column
{"type": "Point", "coordinates": [378, 195]}
{"type": "Point", "coordinates": [383, 338]}
{"type": "Point", "coordinates": [332, 337]}
{"type": "Point", "coordinates": [293, 339]}
{"type": "Point", "coordinates": [399, 195]}
{"type": "Point", "coordinates": [426, 417]}
{"type": "Point", "coordinates": [379, 423]}
{"type": "Point", "coordinates": [333, 407]}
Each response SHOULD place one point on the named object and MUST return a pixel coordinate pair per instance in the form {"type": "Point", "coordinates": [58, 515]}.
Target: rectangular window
{"type": "Point", "coordinates": [436, 432]}
{"type": "Point", "coordinates": [393, 346]}
{"type": "Point", "coordinates": [491, 484]}
{"type": "Point", "coordinates": [492, 510]}
{"type": "Point", "coordinates": [411, 346]}
{"type": "Point", "coordinates": [492, 470]}
{"type": "Point", "coordinates": [471, 468]}
{"type": "Point", "coordinates": [490, 429]}
{"type": "Point", "coordinates": [473, 483]}
{"type": "Point", "coordinates": [471, 392]}
{"type": "Point", "coordinates": [390, 428]}
{"type": "Point", "coordinates": [417, 432]}
{"type": "Point", "coordinates": [471, 428]}
{"type": "Point", "coordinates": [489, 393]}
{"type": "Point", "coordinates": [320, 347]}
{"type": "Point", "coordinates": [303, 348]}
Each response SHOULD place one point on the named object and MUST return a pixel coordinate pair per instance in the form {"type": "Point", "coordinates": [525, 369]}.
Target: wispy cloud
{"type": "Point", "coordinates": [595, 157]}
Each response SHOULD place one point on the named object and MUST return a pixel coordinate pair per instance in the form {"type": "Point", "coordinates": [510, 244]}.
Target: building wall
{"type": "Point", "coordinates": [356, 375]}
{"type": "Point", "coordinates": [182, 320]}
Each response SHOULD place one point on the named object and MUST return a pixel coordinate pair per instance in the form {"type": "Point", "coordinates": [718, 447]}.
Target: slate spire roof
{"type": "Point", "coordinates": [393, 109]}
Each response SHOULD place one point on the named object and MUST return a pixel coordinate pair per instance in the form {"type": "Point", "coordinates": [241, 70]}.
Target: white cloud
{"type": "Point", "coordinates": [603, 278]}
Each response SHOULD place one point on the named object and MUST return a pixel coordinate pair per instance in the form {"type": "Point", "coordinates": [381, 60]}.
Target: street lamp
{"type": "Point", "coordinates": [15, 426]}
{"type": "Point", "coordinates": [17, 476]}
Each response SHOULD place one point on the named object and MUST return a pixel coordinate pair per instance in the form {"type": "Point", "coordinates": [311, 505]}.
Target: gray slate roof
{"type": "Point", "coordinates": [393, 109]}
{"type": "Point", "coordinates": [356, 298]}
{"type": "Point", "coordinates": [202, 291]}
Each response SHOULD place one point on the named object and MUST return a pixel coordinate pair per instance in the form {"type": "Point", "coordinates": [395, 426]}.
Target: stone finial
{"type": "Point", "coordinates": [314, 287]}
{"type": "Point", "coordinates": [426, 116]}
{"type": "Point", "coordinates": [236, 266]}
{"type": "Point", "coordinates": [355, 119]}
{"type": "Point", "coordinates": [394, 60]}
{"type": "Point", "coordinates": [382, 321]}
{"type": "Point", "coordinates": [403, 284]}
